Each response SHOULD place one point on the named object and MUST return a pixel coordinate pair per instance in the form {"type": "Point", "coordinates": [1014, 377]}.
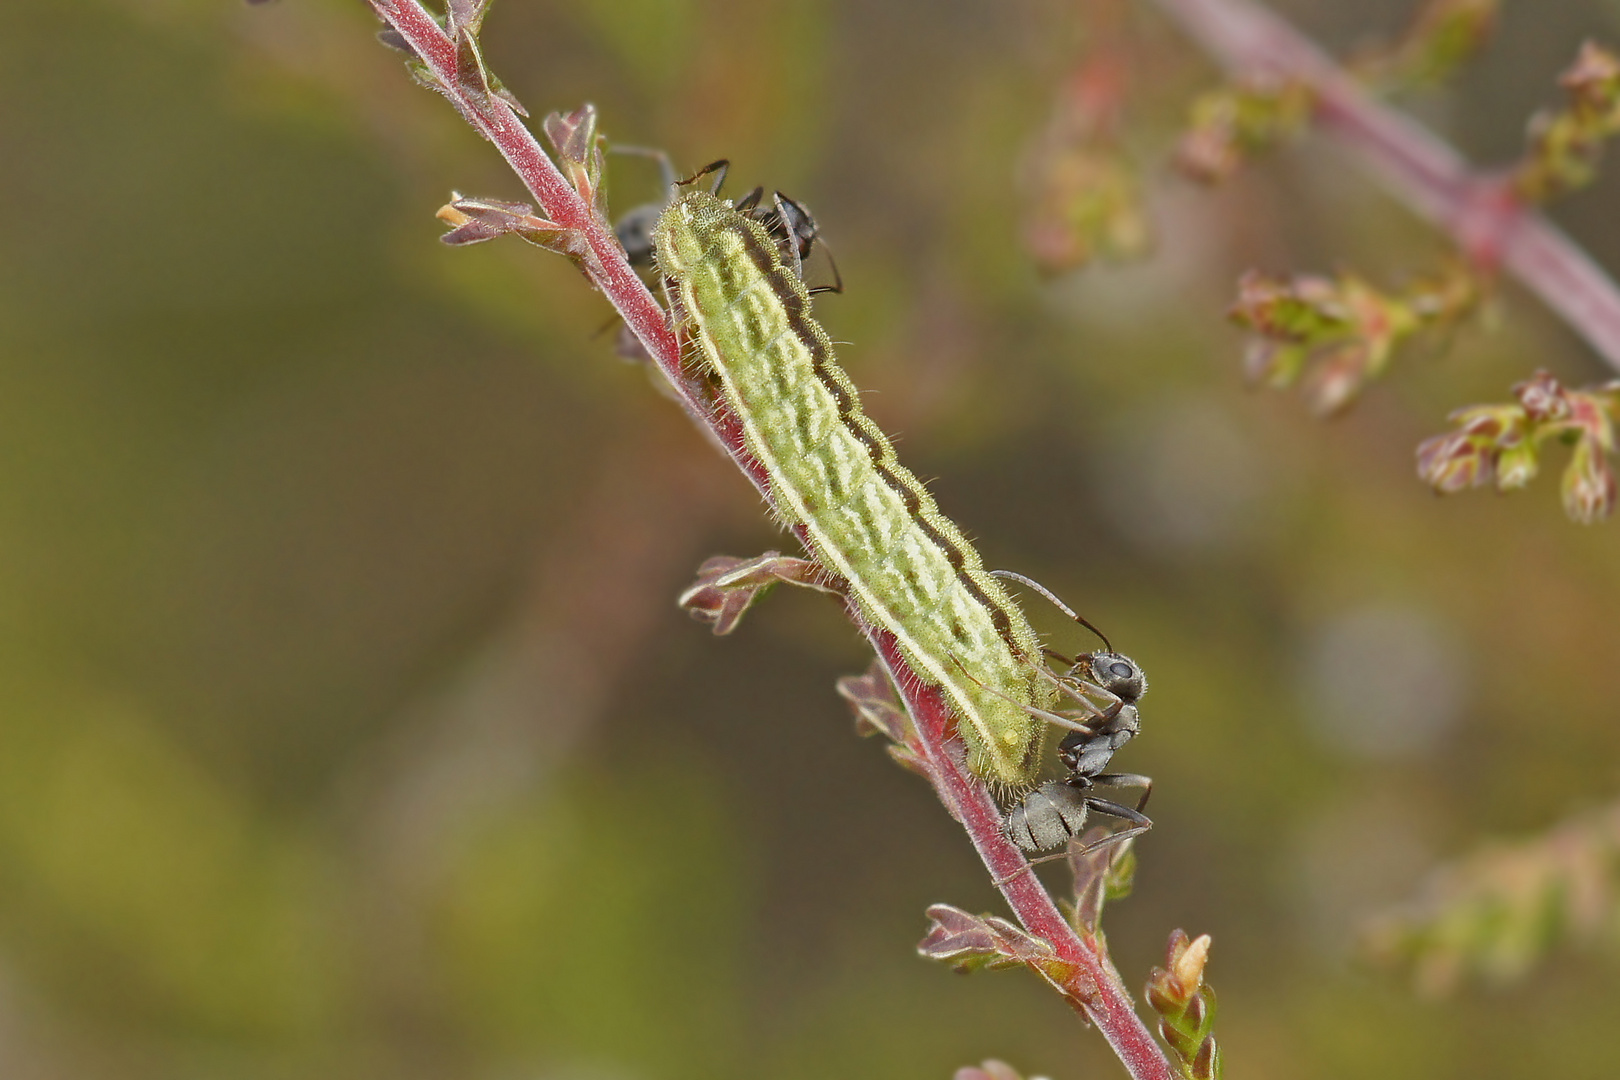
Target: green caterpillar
{"type": "Point", "coordinates": [832, 470]}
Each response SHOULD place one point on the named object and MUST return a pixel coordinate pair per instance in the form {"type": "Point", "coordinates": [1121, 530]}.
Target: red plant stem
{"type": "Point", "coordinates": [498, 123]}
{"type": "Point", "coordinates": [1095, 987]}
{"type": "Point", "coordinates": [1489, 222]}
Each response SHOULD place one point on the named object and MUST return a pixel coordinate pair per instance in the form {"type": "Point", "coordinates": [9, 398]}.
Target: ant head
{"type": "Point", "coordinates": [798, 226]}
{"type": "Point", "coordinates": [1114, 672]}
{"type": "Point", "coordinates": [791, 226]}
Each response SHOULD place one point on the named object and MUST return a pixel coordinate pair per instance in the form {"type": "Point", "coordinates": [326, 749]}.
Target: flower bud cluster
{"type": "Point", "coordinates": [1240, 120]}
{"type": "Point", "coordinates": [1084, 194]}
{"type": "Point", "coordinates": [1443, 35]}
{"type": "Point", "coordinates": [1501, 444]}
{"type": "Point", "coordinates": [579, 155]}
{"type": "Point", "coordinates": [1566, 146]}
{"type": "Point", "coordinates": [1186, 1007]}
{"type": "Point", "coordinates": [990, 1070]}
{"type": "Point", "coordinates": [1340, 333]}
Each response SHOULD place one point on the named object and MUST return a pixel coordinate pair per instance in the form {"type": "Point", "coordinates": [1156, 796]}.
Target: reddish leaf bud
{"type": "Point", "coordinates": [1516, 465]}
{"type": "Point", "coordinates": [1588, 486]}
{"type": "Point", "coordinates": [1187, 960]}
{"type": "Point", "coordinates": [1452, 463]}
{"type": "Point", "coordinates": [1206, 1065]}
{"type": "Point", "coordinates": [877, 710]}
{"type": "Point", "coordinates": [1338, 377]}
{"type": "Point", "coordinates": [1543, 398]}
{"type": "Point", "coordinates": [728, 586]}
{"type": "Point", "coordinates": [1593, 81]}
{"type": "Point", "coordinates": [989, 1070]}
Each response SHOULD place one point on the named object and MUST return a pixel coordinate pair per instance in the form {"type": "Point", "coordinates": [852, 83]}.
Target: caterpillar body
{"type": "Point", "coordinates": [832, 471]}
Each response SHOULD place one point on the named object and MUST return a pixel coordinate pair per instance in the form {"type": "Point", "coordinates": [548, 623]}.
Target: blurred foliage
{"type": "Point", "coordinates": [1566, 145]}
{"type": "Point", "coordinates": [350, 727]}
{"type": "Point", "coordinates": [1502, 909]}
{"type": "Point", "coordinates": [1501, 445]}
{"type": "Point", "coordinates": [1441, 37]}
{"type": "Point", "coordinates": [1085, 194]}
{"type": "Point", "coordinates": [1233, 123]}
{"type": "Point", "coordinates": [1341, 333]}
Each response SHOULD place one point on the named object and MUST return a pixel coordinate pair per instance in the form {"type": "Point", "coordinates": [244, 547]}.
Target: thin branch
{"type": "Point", "coordinates": [1095, 987]}
{"type": "Point", "coordinates": [607, 269]}
{"type": "Point", "coordinates": [1489, 222]}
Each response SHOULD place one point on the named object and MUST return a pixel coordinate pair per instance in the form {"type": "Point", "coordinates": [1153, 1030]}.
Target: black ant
{"type": "Point", "coordinates": [790, 224]}
{"type": "Point", "coordinates": [1056, 812]}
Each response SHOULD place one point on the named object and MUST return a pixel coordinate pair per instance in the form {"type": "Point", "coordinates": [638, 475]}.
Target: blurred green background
{"type": "Point", "coordinates": [348, 727]}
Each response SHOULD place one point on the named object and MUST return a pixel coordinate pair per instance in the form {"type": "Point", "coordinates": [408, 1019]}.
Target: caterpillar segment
{"type": "Point", "coordinates": [832, 471]}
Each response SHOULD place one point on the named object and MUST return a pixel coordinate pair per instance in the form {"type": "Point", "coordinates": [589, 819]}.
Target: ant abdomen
{"type": "Point", "coordinates": [1047, 817]}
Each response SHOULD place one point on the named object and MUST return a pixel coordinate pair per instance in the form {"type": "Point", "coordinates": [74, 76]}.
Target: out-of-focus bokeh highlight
{"type": "Point", "coordinates": [348, 727]}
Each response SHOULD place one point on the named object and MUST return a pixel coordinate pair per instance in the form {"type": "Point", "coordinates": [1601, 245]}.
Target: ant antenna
{"type": "Point", "coordinates": [1060, 605]}
{"type": "Point", "coordinates": [798, 229]}
{"type": "Point", "coordinates": [720, 166]}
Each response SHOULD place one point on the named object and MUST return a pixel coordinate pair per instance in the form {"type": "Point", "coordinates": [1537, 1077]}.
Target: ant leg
{"type": "Point", "coordinates": [838, 279]}
{"type": "Point", "coordinates": [1139, 824]}
{"type": "Point", "coordinates": [1068, 723]}
{"type": "Point", "coordinates": [1125, 779]}
{"type": "Point", "coordinates": [1068, 687]}
{"type": "Point", "coordinates": [1139, 821]}
{"type": "Point", "coordinates": [803, 232]}
{"type": "Point", "coordinates": [1110, 840]}
{"type": "Point", "coordinates": [1076, 687]}
{"type": "Point", "coordinates": [1053, 654]}
{"type": "Point", "coordinates": [1030, 864]}
{"type": "Point", "coordinates": [749, 201]}
{"type": "Point", "coordinates": [666, 168]}
{"type": "Point", "coordinates": [1028, 868]}
{"type": "Point", "coordinates": [1040, 714]}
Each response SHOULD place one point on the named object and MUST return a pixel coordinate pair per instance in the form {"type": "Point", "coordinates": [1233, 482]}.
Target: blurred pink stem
{"type": "Point", "coordinates": [1489, 223]}
{"type": "Point", "coordinates": [1095, 987]}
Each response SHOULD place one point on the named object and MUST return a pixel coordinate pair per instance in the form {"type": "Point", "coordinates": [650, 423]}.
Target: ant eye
{"type": "Point", "coordinates": [1119, 669]}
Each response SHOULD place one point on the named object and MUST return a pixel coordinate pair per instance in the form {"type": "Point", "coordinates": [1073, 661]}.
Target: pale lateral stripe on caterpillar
{"type": "Point", "coordinates": [832, 470]}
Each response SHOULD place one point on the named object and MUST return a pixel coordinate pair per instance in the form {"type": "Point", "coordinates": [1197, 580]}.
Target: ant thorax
{"type": "Point", "coordinates": [1103, 688]}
